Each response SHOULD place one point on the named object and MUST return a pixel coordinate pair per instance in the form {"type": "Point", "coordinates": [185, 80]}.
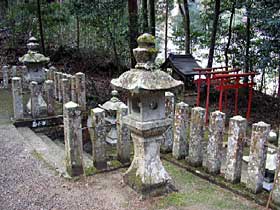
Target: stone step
{"type": "Point", "coordinates": [88, 162]}
{"type": "Point", "coordinates": [51, 152]}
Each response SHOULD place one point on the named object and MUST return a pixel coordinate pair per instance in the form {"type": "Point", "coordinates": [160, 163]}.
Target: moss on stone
{"type": "Point", "coordinates": [90, 171]}
{"type": "Point", "coordinates": [146, 38]}
{"type": "Point", "coordinates": [115, 164]}
{"type": "Point", "coordinates": [133, 180]}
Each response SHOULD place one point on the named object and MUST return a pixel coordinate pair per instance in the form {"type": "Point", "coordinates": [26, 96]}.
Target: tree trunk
{"type": "Point", "coordinates": [145, 24]}
{"type": "Point", "coordinates": [41, 26]}
{"type": "Point", "coordinates": [3, 8]}
{"type": "Point", "coordinates": [152, 17]}
{"type": "Point", "coordinates": [78, 32]}
{"type": "Point", "coordinates": [186, 17]}
{"type": "Point", "coordinates": [214, 32]}
{"type": "Point", "coordinates": [247, 51]}
{"type": "Point", "coordinates": [133, 28]}
{"type": "Point", "coordinates": [113, 40]}
{"type": "Point", "coordinates": [229, 33]}
{"type": "Point", "coordinates": [166, 29]}
{"type": "Point", "coordinates": [262, 80]}
{"type": "Point", "coordinates": [278, 92]}
{"type": "Point", "coordinates": [187, 28]}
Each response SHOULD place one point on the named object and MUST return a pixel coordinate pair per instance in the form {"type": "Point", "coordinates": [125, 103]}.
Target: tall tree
{"type": "Point", "coordinates": [184, 10]}
{"type": "Point", "coordinates": [133, 28]}
{"type": "Point", "coordinates": [41, 26]}
{"type": "Point", "coordinates": [3, 8]}
{"type": "Point", "coordinates": [248, 38]}
{"type": "Point", "coordinates": [152, 17]}
{"type": "Point", "coordinates": [214, 33]}
{"type": "Point", "coordinates": [166, 29]}
{"type": "Point", "coordinates": [229, 31]}
{"type": "Point", "coordinates": [145, 24]}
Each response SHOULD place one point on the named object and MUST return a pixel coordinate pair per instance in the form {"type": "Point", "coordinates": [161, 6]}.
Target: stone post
{"type": "Point", "coordinates": [236, 136]}
{"type": "Point", "coordinates": [35, 107]}
{"type": "Point", "coordinates": [17, 98]}
{"type": "Point", "coordinates": [51, 72]}
{"type": "Point", "coordinates": [81, 90]}
{"type": "Point", "coordinates": [60, 77]}
{"type": "Point", "coordinates": [65, 90]}
{"type": "Point", "coordinates": [49, 90]}
{"type": "Point", "coordinates": [197, 127]}
{"type": "Point", "coordinates": [216, 136]}
{"type": "Point", "coordinates": [123, 143]}
{"type": "Point", "coordinates": [56, 77]}
{"type": "Point", "coordinates": [14, 71]}
{"type": "Point", "coordinates": [180, 145]}
{"type": "Point", "coordinates": [257, 156]}
{"type": "Point", "coordinates": [5, 76]}
{"type": "Point", "coordinates": [46, 73]}
{"type": "Point", "coordinates": [73, 139]}
{"type": "Point", "coordinates": [167, 141]}
{"type": "Point", "coordinates": [73, 89]}
{"type": "Point", "coordinates": [276, 187]}
{"type": "Point", "coordinates": [98, 137]}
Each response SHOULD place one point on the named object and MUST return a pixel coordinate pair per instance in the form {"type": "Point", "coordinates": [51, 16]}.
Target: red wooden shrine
{"type": "Point", "coordinates": [223, 79]}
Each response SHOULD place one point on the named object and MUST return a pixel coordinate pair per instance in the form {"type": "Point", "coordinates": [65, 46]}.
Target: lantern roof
{"type": "Point", "coordinates": [34, 57]}
{"type": "Point", "coordinates": [113, 104]}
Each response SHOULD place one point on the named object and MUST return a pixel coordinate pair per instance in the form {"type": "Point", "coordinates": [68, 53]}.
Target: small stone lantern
{"type": "Point", "coordinates": [111, 107]}
{"type": "Point", "coordinates": [146, 118]}
{"type": "Point", "coordinates": [35, 62]}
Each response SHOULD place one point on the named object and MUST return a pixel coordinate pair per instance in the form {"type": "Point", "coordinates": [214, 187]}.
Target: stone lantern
{"type": "Point", "coordinates": [111, 107]}
{"type": "Point", "coordinates": [146, 118]}
{"type": "Point", "coordinates": [35, 62]}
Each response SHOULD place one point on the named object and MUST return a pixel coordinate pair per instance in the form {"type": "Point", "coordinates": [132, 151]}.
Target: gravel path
{"type": "Point", "coordinates": [27, 184]}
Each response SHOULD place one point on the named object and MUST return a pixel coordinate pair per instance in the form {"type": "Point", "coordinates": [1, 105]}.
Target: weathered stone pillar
{"type": "Point", "coordinates": [73, 139]}
{"type": "Point", "coordinates": [14, 71]}
{"type": "Point", "coordinates": [73, 89]}
{"type": "Point", "coordinates": [35, 106]}
{"type": "Point", "coordinates": [81, 90]}
{"type": "Point", "coordinates": [180, 145]}
{"type": "Point", "coordinates": [55, 84]}
{"type": "Point", "coordinates": [197, 127]}
{"type": "Point", "coordinates": [51, 72]}
{"type": "Point", "coordinates": [49, 90]}
{"type": "Point", "coordinates": [123, 143]}
{"type": "Point", "coordinates": [257, 156]}
{"type": "Point", "coordinates": [65, 90]}
{"type": "Point", "coordinates": [46, 73]}
{"type": "Point", "coordinates": [60, 77]}
{"type": "Point", "coordinates": [276, 189]}
{"type": "Point", "coordinates": [17, 98]}
{"type": "Point", "coordinates": [98, 137]}
{"type": "Point", "coordinates": [167, 141]}
{"type": "Point", "coordinates": [215, 143]}
{"type": "Point", "coordinates": [5, 70]}
{"type": "Point", "coordinates": [236, 138]}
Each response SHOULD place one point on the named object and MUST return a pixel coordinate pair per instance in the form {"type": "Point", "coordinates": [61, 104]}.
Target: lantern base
{"type": "Point", "coordinates": [146, 190]}
{"type": "Point", "coordinates": [146, 173]}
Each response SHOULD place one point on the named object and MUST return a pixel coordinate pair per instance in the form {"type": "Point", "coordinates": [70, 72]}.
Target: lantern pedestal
{"type": "Point", "coordinates": [146, 174]}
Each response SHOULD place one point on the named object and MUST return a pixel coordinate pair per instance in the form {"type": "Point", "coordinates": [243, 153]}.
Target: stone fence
{"type": "Point", "coordinates": [57, 86]}
{"type": "Point", "coordinates": [8, 72]}
{"type": "Point", "coordinates": [190, 142]}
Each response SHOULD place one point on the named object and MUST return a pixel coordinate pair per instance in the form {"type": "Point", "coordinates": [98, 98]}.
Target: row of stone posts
{"type": "Point", "coordinates": [73, 138]}
{"type": "Point", "coordinates": [53, 87]}
{"type": "Point", "coordinates": [193, 147]}
{"type": "Point", "coordinates": [68, 87]}
{"type": "Point", "coordinates": [10, 72]}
